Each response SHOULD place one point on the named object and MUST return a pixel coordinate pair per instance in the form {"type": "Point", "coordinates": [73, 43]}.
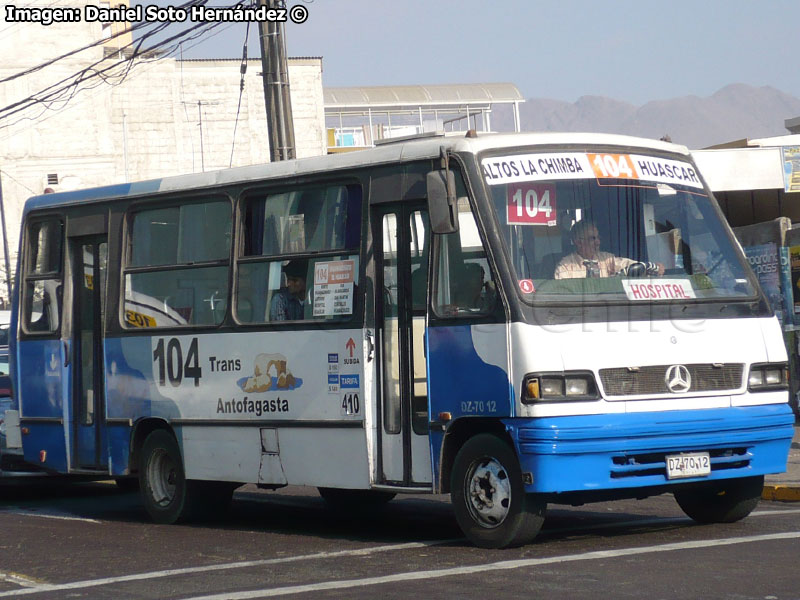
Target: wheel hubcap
{"type": "Point", "coordinates": [161, 477]}
{"type": "Point", "coordinates": [488, 492]}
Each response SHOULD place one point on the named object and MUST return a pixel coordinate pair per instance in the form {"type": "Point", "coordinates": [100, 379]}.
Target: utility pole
{"type": "Point", "coordinates": [276, 87]}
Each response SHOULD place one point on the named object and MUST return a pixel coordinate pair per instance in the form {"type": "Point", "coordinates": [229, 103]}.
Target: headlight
{"type": "Point", "coordinates": [768, 376]}
{"type": "Point", "coordinates": [559, 387]}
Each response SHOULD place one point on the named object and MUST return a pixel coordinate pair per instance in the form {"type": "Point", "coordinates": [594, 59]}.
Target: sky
{"type": "Point", "coordinates": [560, 49]}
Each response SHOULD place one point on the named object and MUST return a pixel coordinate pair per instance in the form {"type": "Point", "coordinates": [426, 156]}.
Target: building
{"type": "Point", "coordinates": [359, 117]}
{"type": "Point", "coordinates": [755, 180]}
{"type": "Point", "coordinates": [163, 116]}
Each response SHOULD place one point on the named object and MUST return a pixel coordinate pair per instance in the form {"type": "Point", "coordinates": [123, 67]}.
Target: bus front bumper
{"type": "Point", "coordinates": [629, 451]}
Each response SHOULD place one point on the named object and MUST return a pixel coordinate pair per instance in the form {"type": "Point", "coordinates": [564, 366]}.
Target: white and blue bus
{"type": "Point", "coordinates": [422, 317]}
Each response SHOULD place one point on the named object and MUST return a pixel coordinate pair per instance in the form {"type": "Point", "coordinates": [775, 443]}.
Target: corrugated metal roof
{"type": "Point", "coordinates": [421, 95]}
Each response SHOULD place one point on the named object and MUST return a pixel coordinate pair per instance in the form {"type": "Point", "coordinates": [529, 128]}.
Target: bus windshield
{"type": "Point", "coordinates": [612, 227]}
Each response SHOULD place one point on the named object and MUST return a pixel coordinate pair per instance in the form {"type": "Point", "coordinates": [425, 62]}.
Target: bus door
{"type": "Point", "coordinates": [402, 239]}
{"type": "Point", "coordinates": [89, 266]}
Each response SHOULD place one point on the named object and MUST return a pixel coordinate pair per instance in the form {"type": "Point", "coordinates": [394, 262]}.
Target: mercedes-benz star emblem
{"type": "Point", "coordinates": [678, 379]}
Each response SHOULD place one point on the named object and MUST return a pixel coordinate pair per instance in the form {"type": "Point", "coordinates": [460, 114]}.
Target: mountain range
{"type": "Point", "coordinates": [734, 112]}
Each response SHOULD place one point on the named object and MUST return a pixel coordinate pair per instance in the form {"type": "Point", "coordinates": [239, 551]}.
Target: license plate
{"type": "Point", "coordinates": [695, 464]}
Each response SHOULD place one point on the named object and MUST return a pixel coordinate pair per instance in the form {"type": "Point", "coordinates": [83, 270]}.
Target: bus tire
{"type": "Point", "coordinates": [724, 501]}
{"type": "Point", "coordinates": [354, 500]}
{"type": "Point", "coordinates": [489, 498]}
{"type": "Point", "coordinates": [165, 491]}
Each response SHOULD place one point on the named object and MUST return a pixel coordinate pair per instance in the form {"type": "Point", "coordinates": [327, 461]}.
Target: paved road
{"type": "Point", "coordinates": [93, 541]}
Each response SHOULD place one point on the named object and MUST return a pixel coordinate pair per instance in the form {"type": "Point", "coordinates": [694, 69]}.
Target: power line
{"type": "Point", "coordinates": [242, 70]}
{"type": "Point", "coordinates": [139, 71]}
{"type": "Point", "coordinates": [65, 89]}
{"type": "Point", "coordinates": [100, 42]}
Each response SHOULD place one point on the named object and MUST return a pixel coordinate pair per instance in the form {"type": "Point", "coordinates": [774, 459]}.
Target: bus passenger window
{"type": "Point", "coordinates": [177, 271]}
{"type": "Point", "coordinates": [464, 284]}
{"type": "Point", "coordinates": [299, 259]}
{"type": "Point", "coordinates": [42, 289]}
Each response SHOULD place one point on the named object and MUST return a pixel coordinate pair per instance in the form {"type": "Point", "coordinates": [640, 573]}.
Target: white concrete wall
{"type": "Point", "coordinates": [146, 126]}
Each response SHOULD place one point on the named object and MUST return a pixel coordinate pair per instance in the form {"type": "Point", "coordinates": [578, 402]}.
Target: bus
{"type": "Point", "coordinates": [420, 317]}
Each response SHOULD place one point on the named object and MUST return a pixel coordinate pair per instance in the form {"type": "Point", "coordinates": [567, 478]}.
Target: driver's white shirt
{"type": "Point", "coordinates": [573, 266]}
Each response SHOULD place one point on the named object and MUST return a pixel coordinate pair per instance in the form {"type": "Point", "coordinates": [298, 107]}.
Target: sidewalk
{"type": "Point", "coordinates": [785, 487]}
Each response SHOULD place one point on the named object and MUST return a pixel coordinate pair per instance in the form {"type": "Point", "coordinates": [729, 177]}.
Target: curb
{"type": "Point", "coordinates": [781, 493]}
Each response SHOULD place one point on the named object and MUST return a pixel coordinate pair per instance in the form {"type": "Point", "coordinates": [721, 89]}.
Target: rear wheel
{"type": "Point", "coordinates": [724, 501]}
{"type": "Point", "coordinates": [167, 495]}
{"type": "Point", "coordinates": [489, 498]}
{"type": "Point", "coordinates": [161, 478]}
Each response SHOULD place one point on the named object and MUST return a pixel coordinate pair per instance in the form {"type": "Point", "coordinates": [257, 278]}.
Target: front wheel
{"type": "Point", "coordinates": [724, 501]}
{"type": "Point", "coordinates": [489, 498]}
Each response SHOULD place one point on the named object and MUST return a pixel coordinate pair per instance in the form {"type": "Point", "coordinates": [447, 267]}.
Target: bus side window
{"type": "Point", "coordinates": [42, 303]}
{"type": "Point", "coordinates": [300, 254]}
{"type": "Point", "coordinates": [464, 284]}
{"type": "Point", "coordinates": [178, 264]}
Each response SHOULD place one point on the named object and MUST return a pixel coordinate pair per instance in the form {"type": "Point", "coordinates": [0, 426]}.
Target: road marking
{"type": "Point", "coordinates": [33, 587]}
{"type": "Point", "coordinates": [765, 513]}
{"type": "Point", "coordinates": [18, 580]}
{"type": "Point", "coordinates": [502, 565]}
{"type": "Point", "coordinates": [46, 587]}
{"type": "Point", "coordinates": [13, 510]}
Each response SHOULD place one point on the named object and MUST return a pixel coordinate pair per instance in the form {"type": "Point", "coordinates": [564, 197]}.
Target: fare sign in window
{"type": "Point", "coordinates": [531, 204]}
{"type": "Point", "coordinates": [333, 288]}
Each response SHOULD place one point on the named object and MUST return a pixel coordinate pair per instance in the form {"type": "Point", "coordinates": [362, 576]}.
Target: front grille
{"type": "Point", "coordinates": [635, 381]}
{"type": "Point", "coordinates": [649, 464]}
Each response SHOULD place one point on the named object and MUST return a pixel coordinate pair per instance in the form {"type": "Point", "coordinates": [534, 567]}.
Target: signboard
{"type": "Point", "coordinates": [579, 165]}
{"type": "Point", "coordinates": [791, 168]}
{"type": "Point", "coordinates": [765, 261]}
{"type": "Point", "coordinates": [333, 288]}
{"type": "Point", "coordinates": [658, 289]}
{"type": "Point", "coordinates": [531, 204]}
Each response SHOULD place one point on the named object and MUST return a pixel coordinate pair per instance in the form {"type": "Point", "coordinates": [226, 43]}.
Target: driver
{"type": "Point", "coordinates": [589, 261]}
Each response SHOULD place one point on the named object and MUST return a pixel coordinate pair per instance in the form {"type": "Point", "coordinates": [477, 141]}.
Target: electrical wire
{"type": "Point", "coordinates": [100, 42]}
{"type": "Point", "coordinates": [65, 89]}
{"type": "Point", "coordinates": [141, 69]}
{"type": "Point", "coordinates": [242, 70]}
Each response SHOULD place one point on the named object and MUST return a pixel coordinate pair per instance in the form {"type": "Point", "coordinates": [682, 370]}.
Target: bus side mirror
{"type": "Point", "coordinates": [442, 208]}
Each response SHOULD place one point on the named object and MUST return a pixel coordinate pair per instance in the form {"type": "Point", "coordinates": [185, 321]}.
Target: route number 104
{"type": "Point", "coordinates": [531, 204]}
{"type": "Point", "coordinates": [616, 166]}
{"type": "Point", "coordinates": [171, 364]}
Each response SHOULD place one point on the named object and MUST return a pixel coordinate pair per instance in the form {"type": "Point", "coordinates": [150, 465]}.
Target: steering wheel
{"type": "Point", "coordinates": [640, 269]}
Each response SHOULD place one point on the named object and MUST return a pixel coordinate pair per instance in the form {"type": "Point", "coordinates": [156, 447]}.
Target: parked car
{"type": "Point", "coordinates": [5, 376]}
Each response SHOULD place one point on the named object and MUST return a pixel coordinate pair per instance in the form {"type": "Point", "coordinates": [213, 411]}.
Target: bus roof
{"type": "Point", "coordinates": [402, 151]}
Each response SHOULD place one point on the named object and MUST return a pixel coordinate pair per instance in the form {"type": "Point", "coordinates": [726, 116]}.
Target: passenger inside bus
{"type": "Point", "coordinates": [589, 261]}
{"type": "Point", "coordinates": [288, 303]}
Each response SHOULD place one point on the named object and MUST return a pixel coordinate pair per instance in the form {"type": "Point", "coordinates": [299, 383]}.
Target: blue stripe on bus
{"type": "Point", "coordinates": [108, 191]}
{"type": "Point", "coordinates": [614, 451]}
{"type": "Point", "coordinates": [40, 385]}
{"type": "Point", "coordinates": [459, 381]}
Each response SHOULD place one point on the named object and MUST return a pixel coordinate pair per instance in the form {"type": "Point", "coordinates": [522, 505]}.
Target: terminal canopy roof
{"type": "Point", "coordinates": [366, 114]}
{"type": "Point", "coordinates": [352, 99]}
